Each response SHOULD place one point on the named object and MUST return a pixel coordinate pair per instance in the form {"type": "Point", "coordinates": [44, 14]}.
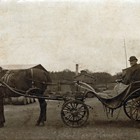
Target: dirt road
{"type": "Point", "coordinates": [20, 125]}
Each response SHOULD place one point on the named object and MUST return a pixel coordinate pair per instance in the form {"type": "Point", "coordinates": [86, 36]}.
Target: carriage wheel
{"type": "Point", "coordinates": [74, 113]}
{"type": "Point", "coordinates": [127, 107]}
{"type": "Point", "coordinates": [135, 110]}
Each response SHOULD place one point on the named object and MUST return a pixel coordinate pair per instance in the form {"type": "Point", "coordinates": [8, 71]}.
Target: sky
{"type": "Point", "coordinates": [99, 35]}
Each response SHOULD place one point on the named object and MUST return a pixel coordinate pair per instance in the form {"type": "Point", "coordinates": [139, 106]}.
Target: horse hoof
{"type": "Point", "coordinates": [1, 125]}
{"type": "Point", "coordinates": [36, 124]}
{"type": "Point", "coordinates": [42, 124]}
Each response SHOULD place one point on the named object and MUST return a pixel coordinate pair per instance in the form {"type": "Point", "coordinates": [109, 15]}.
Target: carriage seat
{"type": "Point", "coordinates": [118, 89]}
{"type": "Point", "coordinates": [117, 101]}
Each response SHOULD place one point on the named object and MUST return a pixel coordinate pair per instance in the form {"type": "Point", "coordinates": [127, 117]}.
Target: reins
{"type": "Point", "coordinates": [27, 93]}
{"type": "Point", "coordinates": [20, 92]}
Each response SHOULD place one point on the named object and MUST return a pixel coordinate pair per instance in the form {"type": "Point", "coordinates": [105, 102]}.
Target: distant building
{"type": "Point", "coordinates": [85, 77]}
{"type": "Point", "coordinates": [22, 66]}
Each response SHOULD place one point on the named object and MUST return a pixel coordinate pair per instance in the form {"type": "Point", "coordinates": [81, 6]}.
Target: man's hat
{"type": "Point", "coordinates": [132, 58]}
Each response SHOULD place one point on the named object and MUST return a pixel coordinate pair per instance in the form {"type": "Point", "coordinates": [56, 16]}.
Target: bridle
{"type": "Point", "coordinates": [33, 81]}
{"type": "Point", "coordinates": [32, 77]}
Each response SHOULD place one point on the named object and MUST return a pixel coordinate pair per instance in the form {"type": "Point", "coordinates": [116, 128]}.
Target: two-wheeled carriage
{"type": "Point", "coordinates": [75, 112]}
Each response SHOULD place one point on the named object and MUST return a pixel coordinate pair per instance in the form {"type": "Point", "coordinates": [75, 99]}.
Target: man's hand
{"type": "Point", "coordinates": [119, 80]}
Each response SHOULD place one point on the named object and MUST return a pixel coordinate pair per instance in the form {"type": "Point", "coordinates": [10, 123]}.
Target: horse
{"type": "Point", "coordinates": [32, 80]}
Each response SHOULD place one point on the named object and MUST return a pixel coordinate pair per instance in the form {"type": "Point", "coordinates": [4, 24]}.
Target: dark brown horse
{"type": "Point", "coordinates": [23, 81]}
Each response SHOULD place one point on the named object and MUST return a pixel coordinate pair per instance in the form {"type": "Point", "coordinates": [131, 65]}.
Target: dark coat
{"type": "Point", "coordinates": [2, 118]}
{"type": "Point", "coordinates": [131, 74]}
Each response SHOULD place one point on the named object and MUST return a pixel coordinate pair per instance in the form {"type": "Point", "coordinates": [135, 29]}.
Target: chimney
{"type": "Point", "coordinates": [76, 73]}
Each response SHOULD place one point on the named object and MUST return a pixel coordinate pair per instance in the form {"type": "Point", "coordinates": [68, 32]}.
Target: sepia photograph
{"type": "Point", "coordinates": [69, 69]}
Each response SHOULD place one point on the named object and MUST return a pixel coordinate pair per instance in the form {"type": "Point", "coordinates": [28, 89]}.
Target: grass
{"type": "Point", "coordinates": [21, 120]}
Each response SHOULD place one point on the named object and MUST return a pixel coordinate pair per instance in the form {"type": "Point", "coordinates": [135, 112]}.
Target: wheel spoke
{"type": "Point", "coordinates": [68, 107]}
{"type": "Point", "coordinates": [82, 110]}
{"type": "Point", "coordinates": [138, 117]}
{"type": "Point", "coordinates": [80, 115]}
{"type": "Point", "coordinates": [134, 114]}
{"type": "Point", "coordinates": [134, 111]}
{"type": "Point", "coordinates": [66, 111]}
{"type": "Point", "coordinates": [77, 118]}
{"type": "Point", "coordinates": [69, 118]}
{"type": "Point", "coordinates": [71, 104]}
{"type": "Point", "coordinates": [75, 105]}
{"type": "Point", "coordinates": [79, 107]}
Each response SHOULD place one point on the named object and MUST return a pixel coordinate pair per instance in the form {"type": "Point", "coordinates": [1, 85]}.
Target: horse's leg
{"type": "Point", "coordinates": [42, 116]}
{"type": "Point", "coordinates": [2, 118]}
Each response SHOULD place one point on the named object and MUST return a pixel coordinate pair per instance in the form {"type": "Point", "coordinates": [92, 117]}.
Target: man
{"type": "Point", "coordinates": [2, 118]}
{"type": "Point", "coordinates": [128, 75]}
{"type": "Point", "coordinates": [132, 73]}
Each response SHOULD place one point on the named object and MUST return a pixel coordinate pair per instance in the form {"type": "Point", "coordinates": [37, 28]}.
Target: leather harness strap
{"type": "Point", "coordinates": [7, 76]}
{"type": "Point", "coordinates": [32, 77]}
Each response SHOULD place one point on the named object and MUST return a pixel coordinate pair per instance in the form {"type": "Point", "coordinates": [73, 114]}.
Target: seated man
{"type": "Point", "coordinates": [129, 75]}
{"type": "Point", "coordinates": [132, 73]}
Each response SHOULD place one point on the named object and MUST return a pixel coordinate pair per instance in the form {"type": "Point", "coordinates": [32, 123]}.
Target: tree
{"type": "Point", "coordinates": [102, 77]}
{"type": "Point", "coordinates": [66, 74]}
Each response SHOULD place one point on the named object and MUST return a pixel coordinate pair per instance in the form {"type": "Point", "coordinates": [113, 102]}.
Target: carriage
{"type": "Point", "coordinates": [75, 112]}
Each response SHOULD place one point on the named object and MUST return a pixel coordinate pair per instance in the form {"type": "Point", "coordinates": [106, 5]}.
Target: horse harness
{"type": "Point", "coordinates": [7, 76]}
{"type": "Point", "coordinates": [33, 89]}
{"type": "Point", "coordinates": [33, 80]}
